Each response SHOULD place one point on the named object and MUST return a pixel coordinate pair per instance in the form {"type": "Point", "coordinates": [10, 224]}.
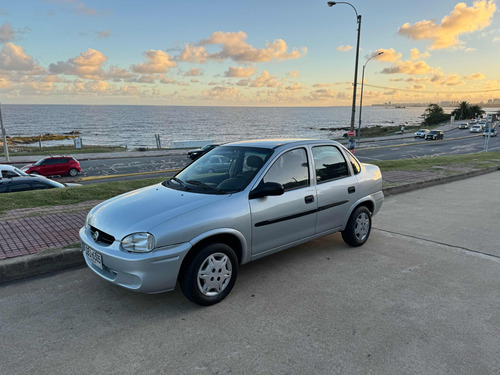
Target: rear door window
{"type": "Point", "coordinates": [329, 163]}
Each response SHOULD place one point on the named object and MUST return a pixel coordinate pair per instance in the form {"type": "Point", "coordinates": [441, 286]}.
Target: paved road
{"type": "Point", "coordinates": [380, 150]}
{"type": "Point", "coordinates": [421, 297]}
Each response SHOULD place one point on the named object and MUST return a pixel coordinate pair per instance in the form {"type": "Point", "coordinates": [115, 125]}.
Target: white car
{"type": "Point", "coordinates": [8, 171]}
{"type": "Point", "coordinates": [476, 128]}
{"type": "Point", "coordinates": [421, 133]}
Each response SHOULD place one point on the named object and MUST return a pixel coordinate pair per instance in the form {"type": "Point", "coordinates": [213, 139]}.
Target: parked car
{"type": "Point", "coordinates": [197, 229]}
{"type": "Point", "coordinates": [492, 132]}
{"type": "Point", "coordinates": [421, 133]}
{"type": "Point", "coordinates": [195, 154]}
{"type": "Point", "coordinates": [472, 122]}
{"type": "Point", "coordinates": [12, 185]}
{"type": "Point", "coordinates": [214, 164]}
{"type": "Point", "coordinates": [435, 134]}
{"type": "Point", "coordinates": [54, 166]}
{"type": "Point", "coordinates": [9, 171]}
{"type": "Point", "coordinates": [464, 125]}
{"type": "Point", "coordinates": [476, 129]}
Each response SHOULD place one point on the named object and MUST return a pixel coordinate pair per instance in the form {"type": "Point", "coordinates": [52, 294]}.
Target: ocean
{"type": "Point", "coordinates": [136, 126]}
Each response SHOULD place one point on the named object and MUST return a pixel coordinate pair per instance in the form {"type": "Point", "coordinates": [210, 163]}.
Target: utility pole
{"type": "Point", "coordinates": [4, 136]}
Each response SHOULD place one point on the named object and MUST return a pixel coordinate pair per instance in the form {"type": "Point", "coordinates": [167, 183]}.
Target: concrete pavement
{"type": "Point", "coordinates": [420, 297]}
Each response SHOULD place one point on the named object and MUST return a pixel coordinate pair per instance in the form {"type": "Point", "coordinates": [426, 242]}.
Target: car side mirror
{"type": "Point", "coordinates": [267, 189]}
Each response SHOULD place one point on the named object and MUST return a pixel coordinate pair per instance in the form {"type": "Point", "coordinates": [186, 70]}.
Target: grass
{"type": "Point", "coordinates": [72, 195]}
{"type": "Point", "coordinates": [476, 161]}
{"type": "Point", "coordinates": [59, 150]}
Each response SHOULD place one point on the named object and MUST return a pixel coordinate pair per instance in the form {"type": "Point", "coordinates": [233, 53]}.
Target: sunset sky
{"type": "Point", "coordinates": [246, 52]}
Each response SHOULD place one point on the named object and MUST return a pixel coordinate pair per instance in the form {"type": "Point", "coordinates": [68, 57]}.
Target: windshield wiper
{"type": "Point", "coordinates": [205, 186]}
{"type": "Point", "coordinates": [179, 182]}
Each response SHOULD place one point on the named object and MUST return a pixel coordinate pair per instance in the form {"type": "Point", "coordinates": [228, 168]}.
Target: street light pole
{"type": "Point", "coordinates": [361, 95]}
{"type": "Point", "coordinates": [358, 17]}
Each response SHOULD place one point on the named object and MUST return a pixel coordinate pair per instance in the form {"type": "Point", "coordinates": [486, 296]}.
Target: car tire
{"type": "Point", "coordinates": [210, 275]}
{"type": "Point", "coordinates": [358, 227]}
{"type": "Point", "coordinates": [73, 172]}
{"type": "Point", "coordinates": [210, 171]}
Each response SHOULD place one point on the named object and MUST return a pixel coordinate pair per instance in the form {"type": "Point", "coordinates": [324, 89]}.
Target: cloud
{"type": "Point", "coordinates": [13, 58]}
{"type": "Point", "coordinates": [294, 87]}
{"type": "Point", "coordinates": [194, 54]}
{"type": "Point", "coordinates": [319, 85]}
{"type": "Point", "coordinates": [293, 73]}
{"type": "Point", "coordinates": [77, 6]}
{"type": "Point", "coordinates": [88, 65]}
{"type": "Point", "coordinates": [469, 49]}
{"type": "Point", "coordinates": [409, 67]}
{"type": "Point", "coordinates": [235, 47]}
{"type": "Point", "coordinates": [496, 39]}
{"type": "Point", "coordinates": [324, 94]}
{"type": "Point", "coordinates": [388, 55]}
{"type": "Point", "coordinates": [219, 92]}
{"type": "Point", "coordinates": [117, 74]}
{"type": "Point", "coordinates": [265, 80]}
{"type": "Point", "coordinates": [439, 79]}
{"type": "Point", "coordinates": [5, 84]}
{"type": "Point", "coordinates": [461, 20]}
{"type": "Point", "coordinates": [475, 76]}
{"type": "Point", "coordinates": [158, 62]}
{"type": "Point", "coordinates": [417, 87]}
{"type": "Point", "coordinates": [6, 33]}
{"type": "Point", "coordinates": [344, 48]}
{"type": "Point", "coordinates": [195, 72]}
{"type": "Point", "coordinates": [416, 55]}
{"type": "Point", "coordinates": [103, 34]}
{"type": "Point", "coordinates": [238, 71]}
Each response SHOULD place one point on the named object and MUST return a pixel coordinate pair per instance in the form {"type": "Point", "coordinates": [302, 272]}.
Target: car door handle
{"type": "Point", "coordinates": [351, 189]}
{"type": "Point", "coordinates": [309, 199]}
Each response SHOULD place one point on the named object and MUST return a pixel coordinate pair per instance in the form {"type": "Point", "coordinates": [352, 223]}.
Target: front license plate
{"type": "Point", "coordinates": [93, 256]}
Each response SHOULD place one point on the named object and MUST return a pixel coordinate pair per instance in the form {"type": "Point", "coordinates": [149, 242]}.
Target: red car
{"type": "Point", "coordinates": [54, 165]}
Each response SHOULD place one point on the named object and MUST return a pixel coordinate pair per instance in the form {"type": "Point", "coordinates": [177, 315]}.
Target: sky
{"type": "Point", "coordinates": [247, 52]}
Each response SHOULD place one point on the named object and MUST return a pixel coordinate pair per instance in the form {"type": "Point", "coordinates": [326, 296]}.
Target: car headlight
{"type": "Point", "coordinates": [87, 221]}
{"type": "Point", "coordinates": [138, 242]}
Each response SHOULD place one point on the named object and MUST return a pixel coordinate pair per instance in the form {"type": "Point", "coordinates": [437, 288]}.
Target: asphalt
{"type": "Point", "coordinates": [45, 239]}
{"type": "Point", "coordinates": [420, 297]}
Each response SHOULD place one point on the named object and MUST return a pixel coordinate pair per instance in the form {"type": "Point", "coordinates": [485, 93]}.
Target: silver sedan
{"type": "Point", "coordinates": [199, 226]}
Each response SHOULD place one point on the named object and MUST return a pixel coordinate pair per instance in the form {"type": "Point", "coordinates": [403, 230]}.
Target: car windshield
{"type": "Point", "coordinates": [40, 162]}
{"type": "Point", "coordinates": [20, 172]}
{"type": "Point", "coordinates": [422, 131]}
{"type": "Point", "coordinates": [224, 170]}
{"type": "Point", "coordinates": [206, 147]}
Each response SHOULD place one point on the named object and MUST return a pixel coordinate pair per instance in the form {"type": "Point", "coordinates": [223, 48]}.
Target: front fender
{"type": "Point", "coordinates": [245, 253]}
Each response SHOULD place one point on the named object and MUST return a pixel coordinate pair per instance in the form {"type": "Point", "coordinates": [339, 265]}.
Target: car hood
{"type": "Point", "coordinates": [143, 209]}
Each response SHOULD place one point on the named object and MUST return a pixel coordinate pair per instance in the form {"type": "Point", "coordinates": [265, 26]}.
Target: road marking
{"type": "Point", "coordinates": [416, 143]}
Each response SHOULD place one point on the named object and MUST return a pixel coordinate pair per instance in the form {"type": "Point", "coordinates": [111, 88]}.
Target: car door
{"type": "Point", "coordinates": [282, 220]}
{"type": "Point", "coordinates": [336, 187]}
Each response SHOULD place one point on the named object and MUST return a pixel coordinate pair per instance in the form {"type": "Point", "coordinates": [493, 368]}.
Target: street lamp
{"type": "Point", "coordinates": [361, 96]}
{"type": "Point", "coordinates": [358, 17]}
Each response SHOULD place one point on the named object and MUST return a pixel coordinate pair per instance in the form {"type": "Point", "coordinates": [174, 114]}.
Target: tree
{"type": "Point", "coordinates": [434, 114]}
{"type": "Point", "coordinates": [477, 110]}
{"type": "Point", "coordinates": [466, 111]}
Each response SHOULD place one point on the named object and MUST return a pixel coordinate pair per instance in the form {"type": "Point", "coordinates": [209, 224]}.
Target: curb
{"type": "Point", "coordinates": [37, 264]}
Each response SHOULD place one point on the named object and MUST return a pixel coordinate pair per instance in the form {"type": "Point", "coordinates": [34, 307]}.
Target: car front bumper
{"type": "Point", "coordinates": [152, 272]}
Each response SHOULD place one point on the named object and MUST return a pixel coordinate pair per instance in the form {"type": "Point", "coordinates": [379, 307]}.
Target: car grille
{"type": "Point", "coordinates": [102, 236]}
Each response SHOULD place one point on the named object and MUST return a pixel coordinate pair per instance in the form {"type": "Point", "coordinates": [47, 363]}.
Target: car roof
{"type": "Point", "coordinates": [6, 167]}
{"type": "Point", "coordinates": [279, 142]}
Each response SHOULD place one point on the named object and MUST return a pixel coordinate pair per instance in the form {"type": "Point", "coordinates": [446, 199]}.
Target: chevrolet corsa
{"type": "Point", "coordinates": [198, 227]}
